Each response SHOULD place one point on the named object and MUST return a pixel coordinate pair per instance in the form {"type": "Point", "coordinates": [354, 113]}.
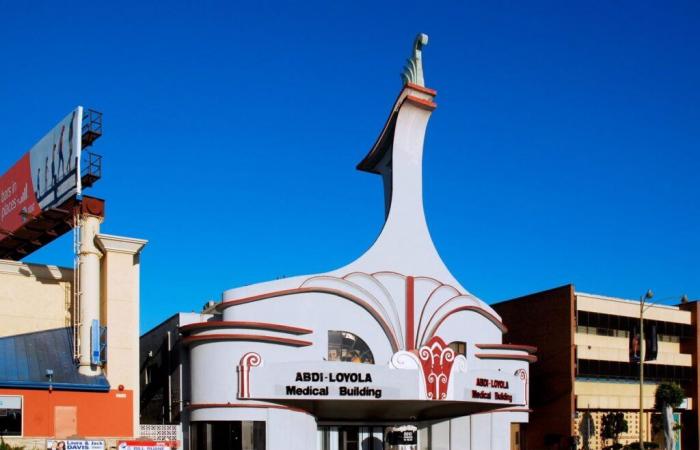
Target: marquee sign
{"type": "Point", "coordinates": [327, 380]}
{"type": "Point", "coordinates": [432, 372]}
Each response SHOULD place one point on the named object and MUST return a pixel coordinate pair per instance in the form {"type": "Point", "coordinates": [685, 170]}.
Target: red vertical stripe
{"type": "Point", "coordinates": [410, 340]}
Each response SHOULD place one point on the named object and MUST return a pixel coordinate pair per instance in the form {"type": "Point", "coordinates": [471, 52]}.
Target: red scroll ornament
{"type": "Point", "coordinates": [247, 361]}
{"type": "Point", "coordinates": [436, 359]}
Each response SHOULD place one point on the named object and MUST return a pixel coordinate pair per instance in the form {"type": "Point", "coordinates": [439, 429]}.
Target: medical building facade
{"type": "Point", "coordinates": [389, 350]}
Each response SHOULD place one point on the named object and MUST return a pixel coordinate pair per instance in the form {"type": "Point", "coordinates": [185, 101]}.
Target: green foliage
{"type": "Point", "coordinates": [613, 424]}
{"type": "Point", "coordinates": [670, 394]}
{"type": "Point", "coordinates": [5, 446]}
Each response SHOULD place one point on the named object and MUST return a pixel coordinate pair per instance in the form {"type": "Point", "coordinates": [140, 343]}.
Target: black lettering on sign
{"type": "Point", "coordinates": [359, 392]}
{"type": "Point", "coordinates": [351, 377]}
{"type": "Point", "coordinates": [499, 384]}
{"type": "Point", "coordinates": [481, 394]}
{"type": "Point", "coordinates": [309, 376]}
{"type": "Point", "coordinates": [504, 396]}
{"type": "Point", "coordinates": [307, 391]}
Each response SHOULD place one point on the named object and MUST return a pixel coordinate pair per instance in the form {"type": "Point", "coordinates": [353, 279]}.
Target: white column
{"type": "Point", "coordinates": [334, 438]}
{"type": "Point", "coordinates": [459, 433]}
{"type": "Point", "coordinates": [89, 295]}
{"type": "Point", "coordinates": [440, 436]}
{"type": "Point", "coordinates": [121, 268]}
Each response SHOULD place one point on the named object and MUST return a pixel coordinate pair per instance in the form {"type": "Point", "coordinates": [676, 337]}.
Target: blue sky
{"type": "Point", "coordinates": [565, 147]}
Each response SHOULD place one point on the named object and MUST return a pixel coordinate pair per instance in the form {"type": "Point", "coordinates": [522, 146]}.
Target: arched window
{"type": "Point", "coordinates": [460, 347]}
{"type": "Point", "coordinates": [344, 346]}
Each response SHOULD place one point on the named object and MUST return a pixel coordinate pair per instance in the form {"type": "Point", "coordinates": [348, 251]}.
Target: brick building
{"type": "Point", "coordinates": [584, 372]}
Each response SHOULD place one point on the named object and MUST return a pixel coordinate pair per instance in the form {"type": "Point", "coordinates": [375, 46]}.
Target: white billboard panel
{"type": "Point", "coordinates": [45, 177]}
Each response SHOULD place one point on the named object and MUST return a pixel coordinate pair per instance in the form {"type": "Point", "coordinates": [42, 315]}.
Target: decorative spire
{"type": "Point", "coordinates": [413, 70]}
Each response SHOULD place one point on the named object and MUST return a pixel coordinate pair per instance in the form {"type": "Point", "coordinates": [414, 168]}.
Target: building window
{"type": "Point", "coordinates": [354, 437]}
{"type": "Point", "coordinates": [619, 326]}
{"type": "Point", "coordinates": [348, 347]}
{"type": "Point", "coordinates": [10, 415]}
{"type": "Point", "coordinates": [231, 435]}
{"type": "Point", "coordinates": [590, 368]}
{"type": "Point", "coordinates": [459, 347]}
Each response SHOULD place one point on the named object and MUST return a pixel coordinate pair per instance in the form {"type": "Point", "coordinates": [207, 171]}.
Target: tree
{"type": "Point", "coordinates": [586, 429]}
{"type": "Point", "coordinates": [668, 396]}
{"type": "Point", "coordinates": [613, 424]}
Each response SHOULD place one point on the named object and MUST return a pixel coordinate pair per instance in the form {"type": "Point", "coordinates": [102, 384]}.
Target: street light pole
{"type": "Point", "coordinates": [649, 294]}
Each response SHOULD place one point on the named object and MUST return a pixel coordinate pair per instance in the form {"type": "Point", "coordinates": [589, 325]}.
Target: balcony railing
{"type": "Point", "coordinates": [91, 168]}
{"type": "Point", "coordinates": [92, 127]}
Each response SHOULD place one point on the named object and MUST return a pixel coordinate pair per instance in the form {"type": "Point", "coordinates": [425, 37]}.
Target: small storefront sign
{"type": "Point", "coordinates": [402, 436]}
{"type": "Point", "coordinates": [147, 445]}
{"type": "Point", "coordinates": [57, 444]}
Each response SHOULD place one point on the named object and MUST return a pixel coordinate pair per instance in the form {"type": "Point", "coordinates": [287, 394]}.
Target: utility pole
{"type": "Point", "coordinates": [642, 347]}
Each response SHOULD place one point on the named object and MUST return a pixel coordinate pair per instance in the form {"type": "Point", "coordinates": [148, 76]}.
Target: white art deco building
{"type": "Point", "coordinates": [389, 350]}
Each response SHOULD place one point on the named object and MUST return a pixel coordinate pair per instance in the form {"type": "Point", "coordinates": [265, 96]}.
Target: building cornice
{"type": "Point", "coordinates": [119, 244]}
{"type": "Point", "coordinates": [36, 270]}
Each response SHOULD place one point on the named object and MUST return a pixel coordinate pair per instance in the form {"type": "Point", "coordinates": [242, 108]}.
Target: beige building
{"type": "Point", "coordinates": [584, 369]}
{"type": "Point", "coordinates": [34, 297]}
{"type": "Point", "coordinates": [39, 332]}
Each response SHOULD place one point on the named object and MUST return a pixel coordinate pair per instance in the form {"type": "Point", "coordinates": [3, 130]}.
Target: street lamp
{"type": "Point", "coordinates": [647, 296]}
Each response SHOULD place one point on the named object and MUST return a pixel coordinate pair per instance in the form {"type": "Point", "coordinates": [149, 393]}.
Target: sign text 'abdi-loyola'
{"type": "Point", "coordinates": [333, 377]}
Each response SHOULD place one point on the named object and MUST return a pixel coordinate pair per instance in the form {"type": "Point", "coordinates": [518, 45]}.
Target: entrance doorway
{"type": "Point", "coordinates": [367, 437]}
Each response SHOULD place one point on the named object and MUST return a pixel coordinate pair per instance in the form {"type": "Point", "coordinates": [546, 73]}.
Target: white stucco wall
{"type": "Point", "coordinates": [395, 297]}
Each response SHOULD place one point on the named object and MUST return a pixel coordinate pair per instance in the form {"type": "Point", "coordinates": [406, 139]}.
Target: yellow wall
{"type": "Point", "coordinates": [628, 308]}
{"type": "Point", "coordinates": [119, 310]}
{"type": "Point", "coordinates": [33, 297]}
{"type": "Point", "coordinates": [37, 297]}
{"type": "Point", "coordinates": [616, 396]}
{"type": "Point", "coordinates": [610, 348]}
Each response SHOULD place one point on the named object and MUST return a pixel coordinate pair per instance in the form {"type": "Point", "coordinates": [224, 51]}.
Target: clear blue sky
{"type": "Point", "coordinates": [565, 147]}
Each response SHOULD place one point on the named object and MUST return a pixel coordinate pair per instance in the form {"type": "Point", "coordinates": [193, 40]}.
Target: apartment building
{"type": "Point", "coordinates": [584, 369]}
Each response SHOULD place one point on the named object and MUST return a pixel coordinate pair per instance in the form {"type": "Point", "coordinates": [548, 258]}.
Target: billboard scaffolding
{"type": "Point", "coordinates": [38, 194]}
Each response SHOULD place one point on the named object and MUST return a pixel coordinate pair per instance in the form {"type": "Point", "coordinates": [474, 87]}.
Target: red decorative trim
{"type": "Point", "coordinates": [439, 283]}
{"type": "Point", "coordinates": [248, 338]}
{"type": "Point", "coordinates": [246, 325]}
{"type": "Point", "coordinates": [522, 374]}
{"type": "Point", "coordinates": [528, 358]}
{"type": "Point", "coordinates": [195, 406]}
{"type": "Point", "coordinates": [425, 304]}
{"type": "Point", "coordinates": [277, 294]}
{"type": "Point", "coordinates": [422, 89]}
{"type": "Point", "coordinates": [525, 348]}
{"type": "Point", "coordinates": [410, 329]}
{"type": "Point", "coordinates": [436, 359]}
{"type": "Point", "coordinates": [475, 309]}
{"type": "Point", "coordinates": [420, 277]}
{"type": "Point", "coordinates": [420, 319]}
{"type": "Point", "coordinates": [250, 359]}
{"type": "Point", "coordinates": [421, 102]}
{"type": "Point", "coordinates": [370, 160]}
{"type": "Point", "coordinates": [525, 410]}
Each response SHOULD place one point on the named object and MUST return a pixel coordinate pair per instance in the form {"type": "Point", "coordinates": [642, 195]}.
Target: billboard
{"type": "Point", "coordinates": [45, 177]}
